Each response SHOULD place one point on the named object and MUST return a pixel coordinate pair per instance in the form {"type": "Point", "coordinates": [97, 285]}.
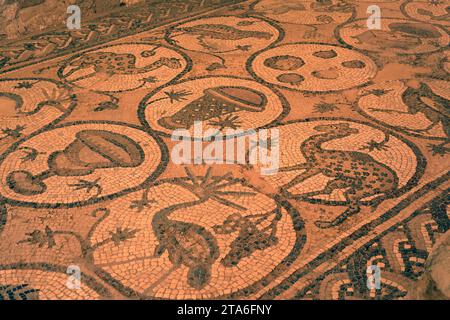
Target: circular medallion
{"type": "Point", "coordinates": [124, 67]}
{"type": "Point", "coordinates": [396, 36]}
{"type": "Point", "coordinates": [218, 105]}
{"type": "Point", "coordinates": [80, 163]}
{"type": "Point", "coordinates": [313, 67]}
{"type": "Point", "coordinates": [197, 237]}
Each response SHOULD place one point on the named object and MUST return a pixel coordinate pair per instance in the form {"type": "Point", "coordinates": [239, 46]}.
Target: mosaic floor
{"type": "Point", "coordinates": [88, 185]}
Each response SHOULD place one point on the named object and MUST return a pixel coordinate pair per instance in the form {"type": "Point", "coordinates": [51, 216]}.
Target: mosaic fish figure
{"type": "Point", "coordinates": [277, 8]}
{"type": "Point", "coordinates": [224, 32]}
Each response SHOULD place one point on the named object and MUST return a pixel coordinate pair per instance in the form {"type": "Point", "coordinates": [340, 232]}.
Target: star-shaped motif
{"type": "Point", "coordinates": [323, 107]}
{"type": "Point", "coordinates": [230, 121]}
{"type": "Point", "coordinates": [13, 133]}
{"type": "Point", "coordinates": [141, 204]}
{"type": "Point", "coordinates": [357, 26]}
{"type": "Point", "coordinates": [30, 154]}
{"type": "Point", "coordinates": [121, 235]}
{"type": "Point", "coordinates": [438, 150]}
{"type": "Point", "coordinates": [378, 92]}
{"type": "Point", "coordinates": [177, 96]}
{"type": "Point", "coordinates": [374, 145]}
{"type": "Point", "coordinates": [24, 85]}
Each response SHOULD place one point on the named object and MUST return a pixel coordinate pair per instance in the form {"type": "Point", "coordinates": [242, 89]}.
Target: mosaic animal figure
{"type": "Point", "coordinates": [112, 63]}
{"type": "Point", "coordinates": [388, 39]}
{"type": "Point", "coordinates": [282, 8]}
{"type": "Point", "coordinates": [403, 36]}
{"type": "Point", "coordinates": [220, 32]}
{"type": "Point", "coordinates": [188, 244]}
{"type": "Point", "coordinates": [251, 236]}
{"type": "Point", "coordinates": [442, 17]}
{"type": "Point", "coordinates": [357, 172]}
{"type": "Point", "coordinates": [420, 98]}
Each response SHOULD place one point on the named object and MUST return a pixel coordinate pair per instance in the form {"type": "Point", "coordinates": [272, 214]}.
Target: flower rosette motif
{"type": "Point", "coordinates": [123, 67]}
{"type": "Point", "coordinates": [396, 36]}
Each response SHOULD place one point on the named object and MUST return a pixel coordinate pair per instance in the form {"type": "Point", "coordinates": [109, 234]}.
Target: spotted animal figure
{"type": "Point", "coordinates": [112, 63]}
{"type": "Point", "coordinates": [357, 172]}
